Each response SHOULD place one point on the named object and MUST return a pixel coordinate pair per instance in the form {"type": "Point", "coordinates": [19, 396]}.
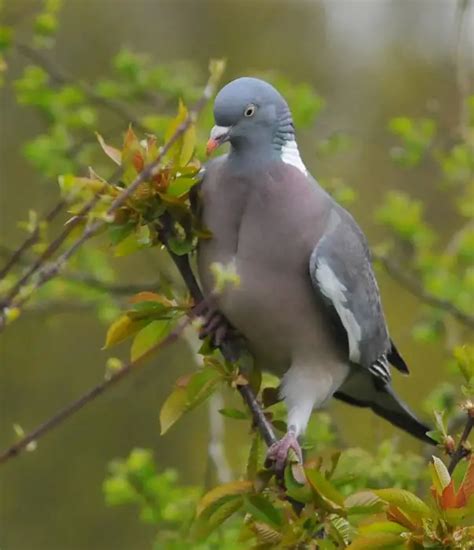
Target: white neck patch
{"type": "Point", "coordinates": [291, 155]}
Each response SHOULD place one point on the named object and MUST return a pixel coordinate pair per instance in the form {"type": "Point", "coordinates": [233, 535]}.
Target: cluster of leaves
{"type": "Point", "coordinates": [335, 500]}
{"type": "Point", "coordinates": [443, 266]}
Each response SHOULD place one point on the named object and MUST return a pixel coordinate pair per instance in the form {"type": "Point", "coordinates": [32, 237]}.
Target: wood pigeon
{"type": "Point", "coordinates": [308, 303]}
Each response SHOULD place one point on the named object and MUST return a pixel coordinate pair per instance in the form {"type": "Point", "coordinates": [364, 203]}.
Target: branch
{"type": "Point", "coordinates": [412, 285]}
{"type": "Point", "coordinates": [46, 255]}
{"type": "Point", "coordinates": [462, 450]}
{"type": "Point", "coordinates": [48, 272]}
{"type": "Point", "coordinates": [230, 349]}
{"type": "Point", "coordinates": [17, 255]}
{"type": "Point", "coordinates": [93, 393]}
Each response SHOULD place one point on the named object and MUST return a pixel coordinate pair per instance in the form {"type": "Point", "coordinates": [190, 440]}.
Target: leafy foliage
{"type": "Point", "coordinates": [350, 499]}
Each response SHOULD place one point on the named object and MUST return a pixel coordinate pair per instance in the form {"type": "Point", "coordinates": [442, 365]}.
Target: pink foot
{"type": "Point", "coordinates": [277, 454]}
{"type": "Point", "coordinates": [216, 326]}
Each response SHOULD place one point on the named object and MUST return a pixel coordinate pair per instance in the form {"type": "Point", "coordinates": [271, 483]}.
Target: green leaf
{"type": "Point", "coordinates": [253, 460]}
{"type": "Point", "coordinates": [341, 529]}
{"type": "Point", "coordinates": [381, 527]}
{"type": "Point", "coordinates": [128, 245]}
{"type": "Point", "coordinates": [233, 488]}
{"type": "Point", "coordinates": [180, 186]}
{"type": "Point", "coordinates": [148, 338]}
{"type": "Point", "coordinates": [439, 475]}
{"type": "Point", "coordinates": [188, 145]}
{"type": "Point", "coordinates": [262, 509]}
{"type": "Point", "coordinates": [215, 515]}
{"type": "Point", "coordinates": [363, 502]}
{"type": "Point", "coordinates": [180, 246]}
{"type": "Point", "coordinates": [408, 503]}
{"type": "Point", "coordinates": [173, 408]}
{"type": "Point", "coordinates": [121, 329]}
{"type": "Point", "coordinates": [324, 488]}
{"type": "Point", "coordinates": [234, 413]}
{"type": "Point", "coordinates": [118, 233]}
{"type": "Point", "coordinates": [185, 397]}
{"type": "Point", "coordinates": [389, 541]}
{"type": "Point", "coordinates": [299, 491]}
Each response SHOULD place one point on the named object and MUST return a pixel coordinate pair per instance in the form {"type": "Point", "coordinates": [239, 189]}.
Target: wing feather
{"type": "Point", "coordinates": [341, 272]}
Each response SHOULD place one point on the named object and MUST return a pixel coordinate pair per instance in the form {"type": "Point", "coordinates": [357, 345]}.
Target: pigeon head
{"type": "Point", "coordinates": [253, 116]}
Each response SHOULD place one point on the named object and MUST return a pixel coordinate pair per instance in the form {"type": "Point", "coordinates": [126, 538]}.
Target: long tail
{"type": "Point", "coordinates": [385, 403]}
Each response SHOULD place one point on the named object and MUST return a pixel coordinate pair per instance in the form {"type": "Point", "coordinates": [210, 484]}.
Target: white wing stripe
{"type": "Point", "coordinates": [333, 289]}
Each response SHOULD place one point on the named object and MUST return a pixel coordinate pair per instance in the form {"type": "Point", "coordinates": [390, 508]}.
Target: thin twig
{"type": "Point", "coordinates": [32, 239]}
{"type": "Point", "coordinates": [230, 349]}
{"type": "Point", "coordinates": [48, 272]}
{"type": "Point", "coordinates": [420, 292]}
{"type": "Point", "coordinates": [49, 252]}
{"type": "Point", "coordinates": [110, 380]}
{"type": "Point", "coordinates": [461, 450]}
{"type": "Point", "coordinates": [58, 76]}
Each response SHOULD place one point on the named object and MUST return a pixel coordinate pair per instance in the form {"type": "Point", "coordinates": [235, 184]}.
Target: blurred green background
{"type": "Point", "coordinates": [371, 60]}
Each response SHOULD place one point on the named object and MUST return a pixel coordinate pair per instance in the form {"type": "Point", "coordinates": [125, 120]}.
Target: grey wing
{"type": "Point", "coordinates": [341, 272]}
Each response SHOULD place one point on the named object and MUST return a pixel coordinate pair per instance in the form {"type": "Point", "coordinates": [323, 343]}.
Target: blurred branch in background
{"type": "Point", "coordinates": [400, 275]}
{"type": "Point", "coordinates": [47, 272]}
{"type": "Point", "coordinates": [463, 61]}
{"type": "Point", "coordinates": [113, 376]}
{"type": "Point", "coordinates": [33, 238]}
{"type": "Point", "coordinates": [58, 76]}
{"type": "Point", "coordinates": [217, 459]}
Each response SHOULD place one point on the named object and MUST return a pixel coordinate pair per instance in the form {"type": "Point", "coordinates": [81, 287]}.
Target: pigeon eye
{"type": "Point", "coordinates": [249, 110]}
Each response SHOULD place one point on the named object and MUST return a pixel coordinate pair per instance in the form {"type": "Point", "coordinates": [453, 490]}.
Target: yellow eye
{"type": "Point", "coordinates": [249, 110]}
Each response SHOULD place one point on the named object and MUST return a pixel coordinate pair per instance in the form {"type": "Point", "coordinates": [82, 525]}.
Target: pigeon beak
{"type": "Point", "coordinates": [219, 135]}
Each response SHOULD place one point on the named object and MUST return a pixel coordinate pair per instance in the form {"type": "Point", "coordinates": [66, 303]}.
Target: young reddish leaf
{"type": "Point", "coordinates": [132, 156]}
{"type": "Point", "coordinates": [110, 151]}
{"type": "Point", "coordinates": [448, 497]}
{"type": "Point", "coordinates": [395, 514]}
{"type": "Point", "coordinates": [138, 161]}
{"type": "Point", "coordinates": [466, 491]}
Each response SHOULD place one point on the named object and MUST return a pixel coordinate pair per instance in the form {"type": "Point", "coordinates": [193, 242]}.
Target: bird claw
{"type": "Point", "coordinates": [277, 454]}
{"type": "Point", "coordinates": [216, 326]}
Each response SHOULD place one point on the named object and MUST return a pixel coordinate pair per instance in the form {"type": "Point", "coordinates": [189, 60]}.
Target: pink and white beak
{"type": "Point", "coordinates": [218, 136]}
